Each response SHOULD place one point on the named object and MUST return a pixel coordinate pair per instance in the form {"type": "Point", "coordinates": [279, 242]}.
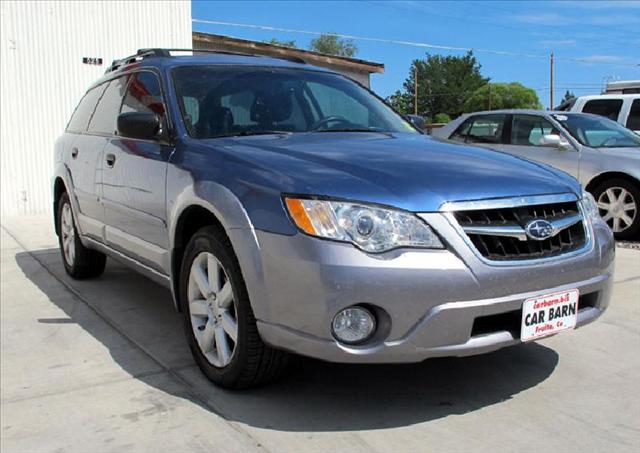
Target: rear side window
{"type": "Point", "coordinates": [481, 129]}
{"type": "Point", "coordinates": [633, 122]}
{"type": "Point", "coordinates": [144, 95]}
{"type": "Point", "coordinates": [106, 113]}
{"type": "Point", "coordinates": [82, 115]}
{"type": "Point", "coordinates": [609, 108]}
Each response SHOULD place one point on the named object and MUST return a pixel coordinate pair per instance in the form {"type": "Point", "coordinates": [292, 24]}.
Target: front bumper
{"type": "Point", "coordinates": [433, 302]}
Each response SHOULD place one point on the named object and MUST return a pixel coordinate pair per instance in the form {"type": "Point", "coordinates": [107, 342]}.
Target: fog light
{"type": "Point", "coordinates": [353, 325]}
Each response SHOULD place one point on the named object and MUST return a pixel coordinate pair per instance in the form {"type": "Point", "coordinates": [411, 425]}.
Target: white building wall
{"type": "Point", "coordinates": [42, 76]}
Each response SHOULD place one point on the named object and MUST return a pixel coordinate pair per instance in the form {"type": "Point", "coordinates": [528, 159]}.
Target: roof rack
{"type": "Point", "coordinates": [146, 53]}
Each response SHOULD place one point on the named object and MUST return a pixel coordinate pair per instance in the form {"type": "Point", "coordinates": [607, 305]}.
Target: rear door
{"type": "Point", "coordinates": [526, 131]}
{"type": "Point", "coordinates": [83, 159]}
{"type": "Point", "coordinates": [134, 175]}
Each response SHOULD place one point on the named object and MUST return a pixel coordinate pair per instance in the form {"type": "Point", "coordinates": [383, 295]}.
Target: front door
{"type": "Point", "coordinates": [525, 141]}
{"type": "Point", "coordinates": [134, 175]}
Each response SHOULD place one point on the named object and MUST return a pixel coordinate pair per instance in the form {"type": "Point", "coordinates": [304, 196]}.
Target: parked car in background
{"type": "Point", "coordinates": [290, 209]}
{"type": "Point", "coordinates": [623, 108]}
{"type": "Point", "coordinates": [603, 155]}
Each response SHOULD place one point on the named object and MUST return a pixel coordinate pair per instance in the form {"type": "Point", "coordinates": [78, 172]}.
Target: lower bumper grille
{"type": "Point", "coordinates": [511, 321]}
{"type": "Point", "coordinates": [500, 234]}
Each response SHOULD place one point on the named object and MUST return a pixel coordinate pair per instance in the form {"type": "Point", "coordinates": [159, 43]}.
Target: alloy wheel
{"type": "Point", "coordinates": [618, 208]}
{"type": "Point", "coordinates": [212, 309]}
{"type": "Point", "coordinates": [68, 235]}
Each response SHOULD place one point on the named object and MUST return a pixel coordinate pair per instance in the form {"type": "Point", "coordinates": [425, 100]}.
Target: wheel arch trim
{"type": "Point", "coordinates": [233, 220]}
{"type": "Point", "coordinates": [610, 174]}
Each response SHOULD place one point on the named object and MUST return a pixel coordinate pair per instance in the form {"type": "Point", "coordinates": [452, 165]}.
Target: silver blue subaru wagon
{"type": "Point", "coordinates": [290, 210]}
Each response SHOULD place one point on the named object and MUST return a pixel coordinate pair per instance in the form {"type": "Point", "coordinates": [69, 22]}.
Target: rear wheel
{"type": "Point", "coordinates": [619, 205]}
{"type": "Point", "coordinates": [79, 261]}
{"type": "Point", "coordinates": [218, 319]}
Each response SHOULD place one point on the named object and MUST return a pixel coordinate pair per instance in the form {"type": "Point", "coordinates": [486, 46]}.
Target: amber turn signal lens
{"type": "Point", "coordinates": [299, 215]}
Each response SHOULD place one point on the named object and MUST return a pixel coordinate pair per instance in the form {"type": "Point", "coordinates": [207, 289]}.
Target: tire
{"type": "Point", "coordinates": [79, 261]}
{"type": "Point", "coordinates": [625, 223]}
{"type": "Point", "coordinates": [209, 318]}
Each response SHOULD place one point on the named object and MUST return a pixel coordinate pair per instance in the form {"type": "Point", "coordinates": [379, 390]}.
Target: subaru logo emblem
{"type": "Point", "coordinates": [539, 229]}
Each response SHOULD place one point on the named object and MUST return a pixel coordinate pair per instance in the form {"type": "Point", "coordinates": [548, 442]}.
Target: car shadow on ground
{"type": "Point", "coordinates": [314, 396]}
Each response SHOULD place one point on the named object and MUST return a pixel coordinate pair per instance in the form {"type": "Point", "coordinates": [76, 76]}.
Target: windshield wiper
{"type": "Point", "coordinates": [249, 133]}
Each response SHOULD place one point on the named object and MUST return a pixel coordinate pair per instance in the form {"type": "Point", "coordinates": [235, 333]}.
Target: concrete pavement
{"type": "Point", "coordinates": [102, 366]}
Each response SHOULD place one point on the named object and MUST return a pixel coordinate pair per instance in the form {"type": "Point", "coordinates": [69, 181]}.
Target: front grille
{"type": "Point", "coordinates": [499, 234]}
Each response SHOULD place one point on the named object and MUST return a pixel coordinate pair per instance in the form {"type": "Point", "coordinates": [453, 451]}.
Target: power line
{"type": "Point", "coordinates": [491, 23]}
{"type": "Point", "coordinates": [406, 43]}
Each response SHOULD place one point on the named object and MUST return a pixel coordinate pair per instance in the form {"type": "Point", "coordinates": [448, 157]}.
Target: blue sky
{"type": "Point", "coordinates": [604, 36]}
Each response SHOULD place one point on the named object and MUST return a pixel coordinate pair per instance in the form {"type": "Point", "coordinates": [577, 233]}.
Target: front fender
{"type": "Point", "coordinates": [183, 194]}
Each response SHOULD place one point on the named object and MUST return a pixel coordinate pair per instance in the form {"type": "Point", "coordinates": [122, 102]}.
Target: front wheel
{"type": "Point", "coordinates": [79, 261]}
{"type": "Point", "coordinates": [618, 202]}
{"type": "Point", "coordinates": [219, 322]}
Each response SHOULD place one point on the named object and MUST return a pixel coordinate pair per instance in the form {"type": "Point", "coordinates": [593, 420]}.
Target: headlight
{"type": "Point", "coordinates": [590, 207]}
{"type": "Point", "coordinates": [370, 228]}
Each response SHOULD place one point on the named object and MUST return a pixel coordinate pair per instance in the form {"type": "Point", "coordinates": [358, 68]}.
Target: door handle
{"type": "Point", "coordinates": [111, 160]}
{"type": "Point", "coordinates": [74, 153]}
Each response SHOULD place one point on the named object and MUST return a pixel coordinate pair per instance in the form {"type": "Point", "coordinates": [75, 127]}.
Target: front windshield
{"type": "Point", "coordinates": [598, 132]}
{"type": "Point", "coordinates": [219, 101]}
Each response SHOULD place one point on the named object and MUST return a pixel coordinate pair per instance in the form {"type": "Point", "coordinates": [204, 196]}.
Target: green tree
{"type": "Point", "coordinates": [494, 96]}
{"type": "Point", "coordinates": [444, 83]}
{"type": "Point", "coordinates": [277, 42]}
{"type": "Point", "coordinates": [401, 102]}
{"type": "Point", "coordinates": [441, 118]}
{"type": "Point", "coordinates": [332, 45]}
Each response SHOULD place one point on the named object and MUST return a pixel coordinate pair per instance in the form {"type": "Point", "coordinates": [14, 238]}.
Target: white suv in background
{"type": "Point", "coordinates": [623, 108]}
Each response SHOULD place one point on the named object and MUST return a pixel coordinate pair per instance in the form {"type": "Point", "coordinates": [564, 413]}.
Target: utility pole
{"type": "Point", "coordinates": [551, 84]}
{"type": "Point", "coordinates": [415, 90]}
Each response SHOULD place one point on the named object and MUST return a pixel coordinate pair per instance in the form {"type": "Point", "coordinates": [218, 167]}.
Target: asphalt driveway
{"type": "Point", "coordinates": [102, 366]}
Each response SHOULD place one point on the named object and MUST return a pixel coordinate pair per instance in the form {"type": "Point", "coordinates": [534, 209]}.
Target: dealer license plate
{"type": "Point", "coordinates": [549, 314]}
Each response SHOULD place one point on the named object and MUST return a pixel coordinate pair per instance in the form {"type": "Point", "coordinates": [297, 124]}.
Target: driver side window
{"type": "Point", "coordinates": [528, 130]}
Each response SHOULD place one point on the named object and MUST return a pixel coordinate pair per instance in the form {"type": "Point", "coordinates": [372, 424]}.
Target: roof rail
{"type": "Point", "coordinates": [139, 55]}
{"type": "Point", "coordinates": [157, 52]}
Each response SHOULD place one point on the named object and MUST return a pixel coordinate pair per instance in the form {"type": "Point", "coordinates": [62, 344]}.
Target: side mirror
{"type": "Point", "coordinates": [418, 121]}
{"type": "Point", "coordinates": [555, 141]}
{"type": "Point", "coordinates": [145, 126]}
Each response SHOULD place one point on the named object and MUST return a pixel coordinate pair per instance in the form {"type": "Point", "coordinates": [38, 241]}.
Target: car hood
{"type": "Point", "coordinates": [409, 171]}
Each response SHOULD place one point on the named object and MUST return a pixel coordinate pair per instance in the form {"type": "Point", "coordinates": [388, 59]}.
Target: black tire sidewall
{"type": "Point", "coordinates": [206, 240]}
{"type": "Point", "coordinates": [633, 231]}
